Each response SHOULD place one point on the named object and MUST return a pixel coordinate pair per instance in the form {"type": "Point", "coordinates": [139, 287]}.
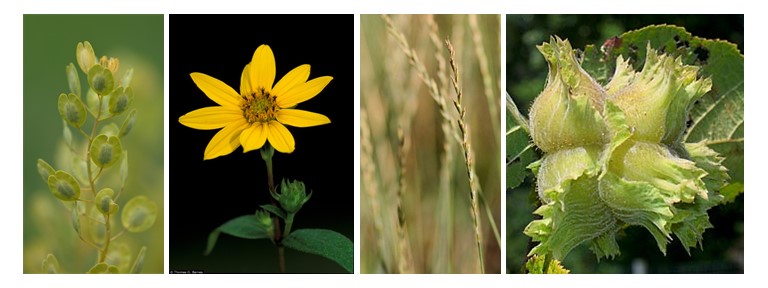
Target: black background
{"type": "Point", "coordinates": [205, 194]}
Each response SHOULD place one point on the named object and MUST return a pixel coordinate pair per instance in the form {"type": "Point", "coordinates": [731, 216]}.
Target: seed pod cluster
{"type": "Point", "coordinates": [613, 155]}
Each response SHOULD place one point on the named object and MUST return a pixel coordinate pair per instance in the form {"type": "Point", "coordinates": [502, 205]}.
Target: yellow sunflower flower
{"type": "Point", "coordinates": [258, 113]}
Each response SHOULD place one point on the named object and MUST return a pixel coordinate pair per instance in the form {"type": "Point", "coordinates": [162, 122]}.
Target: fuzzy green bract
{"type": "Point", "coordinates": [615, 156]}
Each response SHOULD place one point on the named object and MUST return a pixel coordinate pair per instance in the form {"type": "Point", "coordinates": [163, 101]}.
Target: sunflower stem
{"type": "Point", "coordinates": [266, 153]}
{"type": "Point", "coordinates": [288, 224]}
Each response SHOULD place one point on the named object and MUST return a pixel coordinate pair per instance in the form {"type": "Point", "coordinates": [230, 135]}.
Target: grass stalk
{"type": "Point", "coordinates": [485, 72]}
{"type": "Point", "coordinates": [468, 157]}
{"type": "Point", "coordinates": [444, 247]}
{"type": "Point", "coordinates": [372, 184]}
{"type": "Point", "coordinates": [406, 261]}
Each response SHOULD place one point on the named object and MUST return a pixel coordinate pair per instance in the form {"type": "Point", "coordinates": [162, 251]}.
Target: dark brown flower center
{"type": "Point", "coordinates": [259, 106]}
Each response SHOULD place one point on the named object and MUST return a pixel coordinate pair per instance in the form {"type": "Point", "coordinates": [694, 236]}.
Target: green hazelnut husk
{"type": "Point", "coordinates": [568, 111]}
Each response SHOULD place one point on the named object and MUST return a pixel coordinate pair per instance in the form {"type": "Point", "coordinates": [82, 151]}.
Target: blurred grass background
{"type": "Point", "coordinates": [49, 45]}
{"type": "Point", "coordinates": [526, 75]}
{"type": "Point", "coordinates": [439, 229]}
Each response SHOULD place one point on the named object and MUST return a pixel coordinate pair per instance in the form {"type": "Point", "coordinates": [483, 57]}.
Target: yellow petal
{"type": "Point", "coordinates": [263, 68]}
{"type": "Point", "coordinates": [245, 81]}
{"type": "Point", "coordinates": [253, 137]}
{"type": "Point", "coordinates": [303, 92]}
{"type": "Point", "coordinates": [280, 137]}
{"type": "Point", "coordinates": [213, 117]}
{"type": "Point", "coordinates": [219, 92]}
{"type": "Point", "coordinates": [226, 140]}
{"type": "Point", "coordinates": [296, 77]}
{"type": "Point", "coordinates": [301, 118]}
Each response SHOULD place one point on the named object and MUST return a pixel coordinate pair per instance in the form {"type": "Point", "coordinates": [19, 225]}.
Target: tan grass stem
{"type": "Point", "coordinates": [371, 183]}
{"type": "Point", "coordinates": [444, 247]}
{"type": "Point", "coordinates": [485, 72]}
{"type": "Point", "coordinates": [406, 260]}
{"type": "Point", "coordinates": [468, 157]}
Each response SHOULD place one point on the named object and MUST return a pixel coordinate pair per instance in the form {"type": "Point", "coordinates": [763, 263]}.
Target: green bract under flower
{"type": "Point", "coordinates": [614, 158]}
{"type": "Point", "coordinates": [292, 196]}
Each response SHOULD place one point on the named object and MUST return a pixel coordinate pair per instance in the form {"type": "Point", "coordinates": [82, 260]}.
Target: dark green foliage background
{"type": "Point", "coordinates": [526, 76]}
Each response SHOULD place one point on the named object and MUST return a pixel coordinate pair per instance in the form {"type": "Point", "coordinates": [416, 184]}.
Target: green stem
{"type": "Point", "coordinates": [92, 180]}
{"type": "Point", "coordinates": [288, 224]}
{"type": "Point", "coordinates": [108, 238]}
{"type": "Point", "coordinates": [90, 142]}
{"type": "Point", "coordinates": [547, 261]}
{"type": "Point", "coordinates": [266, 153]}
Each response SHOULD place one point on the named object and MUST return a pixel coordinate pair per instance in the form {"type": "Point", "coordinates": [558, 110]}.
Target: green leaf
{"type": "Point", "coordinates": [272, 208]}
{"type": "Point", "coordinates": [246, 226]}
{"type": "Point", "coordinates": [64, 186]}
{"type": "Point", "coordinates": [128, 123]}
{"type": "Point", "coordinates": [101, 80]}
{"type": "Point", "coordinates": [718, 117]}
{"type": "Point", "coordinates": [139, 214]}
{"type": "Point", "coordinates": [71, 109]}
{"type": "Point", "coordinates": [100, 268]}
{"type": "Point", "coordinates": [731, 191]}
{"type": "Point", "coordinates": [105, 151]}
{"type": "Point", "coordinates": [50, 265]}
{"type": "Point", "coordinates": [136, 268]}
{"type": "Point", "coordinates": [120, 100]}
{"type": "Point", "coordinates": [519, 154]}
{"type": "Point", "coordinates": [323, 242]}
{"type": "Point", "coordinates": [519, 149]}
{"type": "Point", "coordinates": [73, 79]}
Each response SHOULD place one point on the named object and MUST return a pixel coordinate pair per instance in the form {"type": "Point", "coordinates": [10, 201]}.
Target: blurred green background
{"type": "Point", "coordinates": [526, 75]}
{"type": "Point", "coordinates": [49, 45]}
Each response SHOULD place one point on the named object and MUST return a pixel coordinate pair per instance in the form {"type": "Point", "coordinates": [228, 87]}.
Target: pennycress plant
{"type": "Point", "coordinates": [255, 119]}
{"type": "Point", "coordinates": [80, 184]}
